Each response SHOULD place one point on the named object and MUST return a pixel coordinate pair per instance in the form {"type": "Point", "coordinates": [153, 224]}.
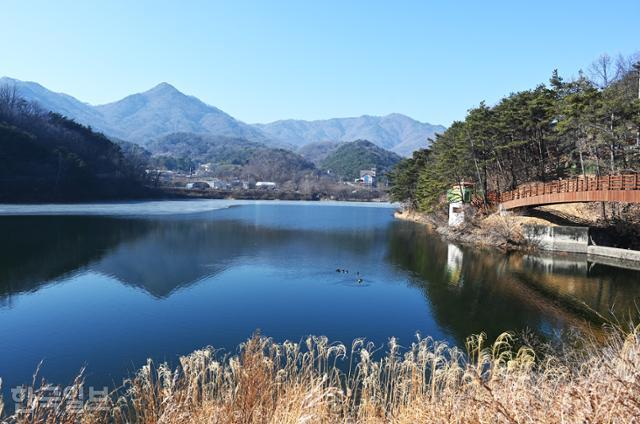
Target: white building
{"type": "Point", "coordinates": [367, 177]}
{"type": "Point", "coordinates": [266, 184]}
{"type": "Point", "coordinates": [219, 184]}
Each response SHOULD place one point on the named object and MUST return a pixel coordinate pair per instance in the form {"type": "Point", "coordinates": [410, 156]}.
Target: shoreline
{"type": "Point", "coordinates": [508, 234]}
{"type": "Point", "coordinates": [494, 231]}
{"type": "Point", "coordinates": [176, 195]}
{"type": "Point", "coordinates": [161, 207]}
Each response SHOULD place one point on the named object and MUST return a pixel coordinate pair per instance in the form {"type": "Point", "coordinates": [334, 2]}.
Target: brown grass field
{"type": "Point", "coordinates": [429, 382]}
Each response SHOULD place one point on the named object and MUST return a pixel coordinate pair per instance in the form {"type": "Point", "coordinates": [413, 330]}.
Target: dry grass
{"type": "Point", "coordinates": [429, 382]}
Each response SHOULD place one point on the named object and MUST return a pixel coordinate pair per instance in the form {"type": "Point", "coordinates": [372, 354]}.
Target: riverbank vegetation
{"type": "Point", "coordinates": [589, 124]}
{"type": "Point", "coordinates": [426, 382]}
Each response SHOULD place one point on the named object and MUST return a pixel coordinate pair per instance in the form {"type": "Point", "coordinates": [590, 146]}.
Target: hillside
{"type": "Point", "coordinates": [164, 110]}
{"type": "Point", "coordinates": [60, 103]}
{"type": "Point", "coordinates": [394, 132]}
{"type": "Point", "coordinates": [230, 156]}
{"type": "Point", "coordinates": [45, 156]}
{"type": "Point", "coordinates": [317, 152]}
{"type": "Point", "coordinates": [141, 117]}
{"type": "Point", "coordinates": [349, 158]}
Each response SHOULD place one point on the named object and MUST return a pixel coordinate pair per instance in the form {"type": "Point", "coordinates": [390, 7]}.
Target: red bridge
{"type": "Point", "coordinates": [611, 188]}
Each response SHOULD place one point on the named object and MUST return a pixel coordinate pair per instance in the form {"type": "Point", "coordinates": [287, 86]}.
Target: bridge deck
{"type": "Point", "coordinates": [611, 188]}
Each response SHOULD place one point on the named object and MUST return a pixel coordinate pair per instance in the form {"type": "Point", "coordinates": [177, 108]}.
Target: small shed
{"type": "Point", "coordinates": [461, 192]}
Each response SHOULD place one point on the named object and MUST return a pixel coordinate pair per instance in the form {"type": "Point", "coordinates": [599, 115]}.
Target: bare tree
{"type": "Point", "coordinates": [8, 99]}
{"type": "Point", "coordinates": [602, 72]}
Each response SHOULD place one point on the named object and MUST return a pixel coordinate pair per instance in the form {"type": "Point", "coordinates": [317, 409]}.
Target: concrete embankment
{"type": "Point", "coordinates": [612, 252]}
{"type": "Point", "coordinates": [558, 238]}
{"type": "Point", "coordinates": [576, 240]}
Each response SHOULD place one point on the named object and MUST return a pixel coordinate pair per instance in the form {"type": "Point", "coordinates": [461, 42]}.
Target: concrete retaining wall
{"type": "Point", "coordinates": [576, 240]}
{"type": "Point", "coordinates": [559, 239]}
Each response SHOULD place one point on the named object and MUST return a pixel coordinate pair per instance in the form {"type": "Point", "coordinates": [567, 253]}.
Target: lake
{"type": "Point", "coordinates": [108, 285]}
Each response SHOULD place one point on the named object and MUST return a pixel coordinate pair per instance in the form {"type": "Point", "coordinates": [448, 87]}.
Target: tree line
{"type": "Point", "coordinates": [46, 156]}
{"type": "Point", "coordinates": [588, 125]}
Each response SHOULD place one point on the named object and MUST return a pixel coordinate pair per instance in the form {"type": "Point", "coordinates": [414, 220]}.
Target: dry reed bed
{"type": "Point", "coordinates": [429, 382]}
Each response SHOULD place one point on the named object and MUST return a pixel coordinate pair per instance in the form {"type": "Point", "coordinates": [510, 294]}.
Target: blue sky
{"type": "Point", "coordinates": [266, 60]}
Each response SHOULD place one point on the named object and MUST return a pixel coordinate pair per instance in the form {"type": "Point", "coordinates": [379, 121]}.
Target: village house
{"type": "Point", "coordinates": [367, 177]}
{"type": "Point", "coordinates": [218, 184]}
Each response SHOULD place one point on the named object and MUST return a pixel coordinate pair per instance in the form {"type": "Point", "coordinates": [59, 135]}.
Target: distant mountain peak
{"type": "Point", "coordinates": [397, 115]}
{"type": "Point", "coordinates": [164, 87]}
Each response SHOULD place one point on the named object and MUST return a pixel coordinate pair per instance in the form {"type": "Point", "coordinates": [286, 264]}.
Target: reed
{"type": "Point", "coordinates": [322, 382]}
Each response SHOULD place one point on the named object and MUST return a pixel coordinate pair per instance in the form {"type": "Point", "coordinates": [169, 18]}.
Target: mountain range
{"type": "Point", "coordinates": [394, 132]}
{"type": "Point", "coordinates": [144, 117]}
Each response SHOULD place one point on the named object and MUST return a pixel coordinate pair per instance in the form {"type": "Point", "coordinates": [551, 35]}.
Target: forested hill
{"type": "Point", "coordinates": [588, 125]}
{"type": "Point", "coordinates": [47, 157]}
{"type": "Point", "coordinates": [232, 157]}
{"type": "Point", "coordinates": [348, 159]}
{"type": "Point", "coordinates": [317, 152]}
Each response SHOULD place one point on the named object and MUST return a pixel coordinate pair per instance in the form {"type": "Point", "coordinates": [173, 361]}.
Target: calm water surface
{"type": "Point", "coordinates": [108, 286]}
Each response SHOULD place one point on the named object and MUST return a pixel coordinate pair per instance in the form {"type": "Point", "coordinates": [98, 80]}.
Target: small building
{"type": "Point", "coordinates": [198, 185]}
{"type": "Point", "coordinates": [461, 192]}
{"type": "Point", "coordinates": [218, 184]}
{"type": "Point", "coordinates": [204, 169]}
{"type": "Point", "coordinates": [456, 214]}
{"type": "Point", "coordinates": [269, 185]}
{"type": "Point", "coordinates": [457, 196]}
{"type": "Point", "coordinates": [367, 177]}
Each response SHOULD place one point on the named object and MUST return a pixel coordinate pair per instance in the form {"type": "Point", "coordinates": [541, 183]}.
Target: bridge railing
{"type": "Point", "coordinates": [629, 181]}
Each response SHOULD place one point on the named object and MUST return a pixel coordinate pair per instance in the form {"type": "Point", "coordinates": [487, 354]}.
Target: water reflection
{"type": "Point", "coordinates": [159, 256]}
{"type": "Point", "coordinates": [454, 264]}
{"type": "Point", "coordinates": [597, 290]}
{"type": "Point", "coordinates": [37, 251]}
{"type": "Point", "coordinates": [484, 290]}
{"type": "Point", "coordinates": [122, 289]}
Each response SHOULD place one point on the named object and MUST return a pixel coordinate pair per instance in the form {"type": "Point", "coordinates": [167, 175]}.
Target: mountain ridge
{"type": "Point", "coordinates": [395, 132]}
{"type": "Point", "coordinates": [163, 109]}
